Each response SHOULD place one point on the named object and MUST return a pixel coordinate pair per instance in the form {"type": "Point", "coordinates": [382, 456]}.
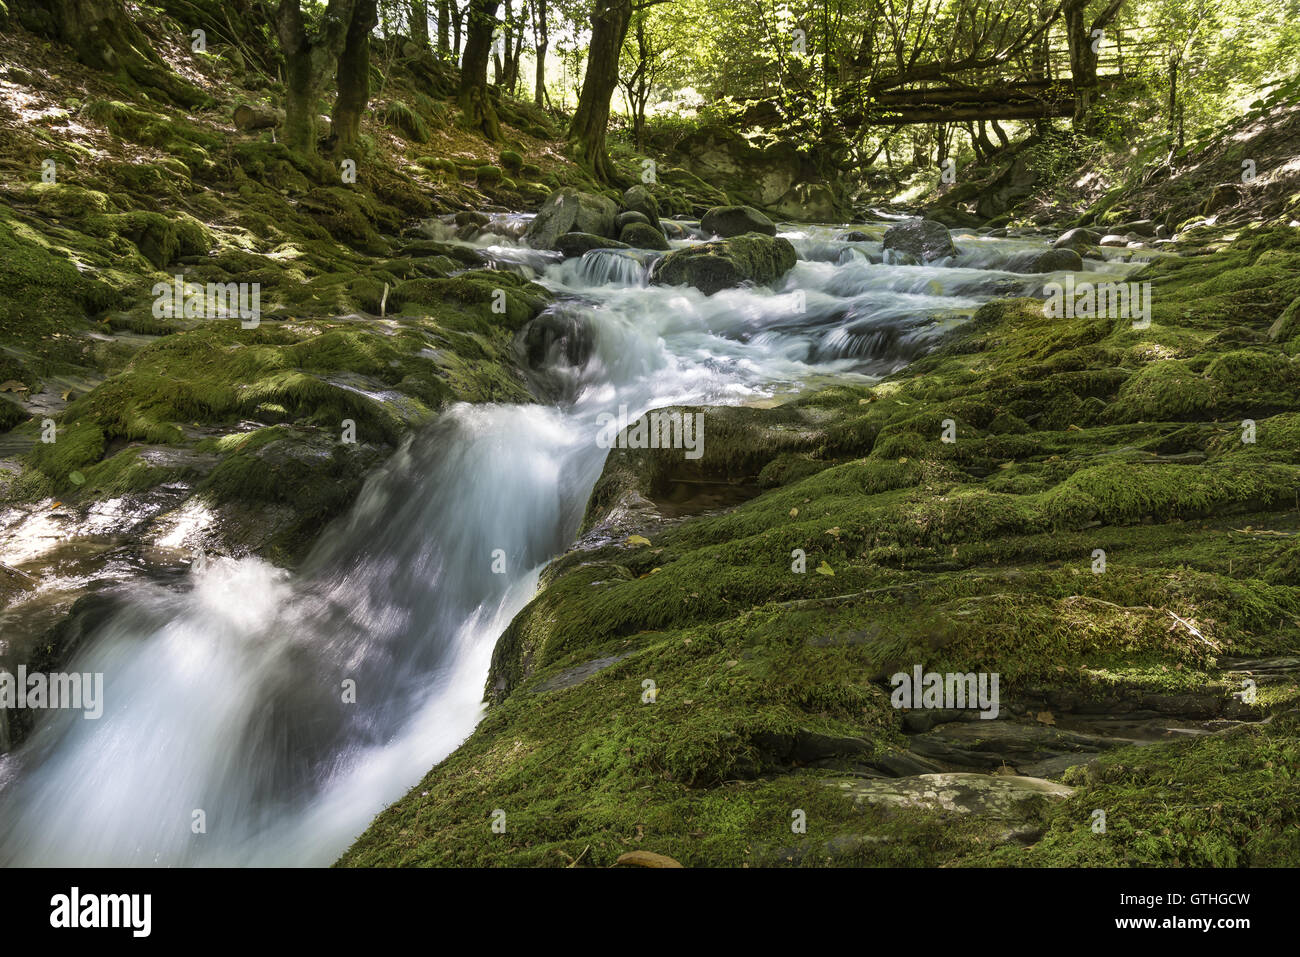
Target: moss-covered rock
{"type": "Point", "coordinates": [725, 263]}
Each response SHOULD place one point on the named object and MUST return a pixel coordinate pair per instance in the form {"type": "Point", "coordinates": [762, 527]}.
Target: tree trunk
{"type": "Point", "coordinates": [542, 41]}
{"type": "Point", "coordinates": [308, 58]}
{"type": "Point", "coordinates": [444, 27]}
{"type": "Point", "coordinates": [473, 98]}
{"type": "Point", "coordinates": [354, 77]}
{"type": "Point", "coordinates": [457, 18]}
{"type": "Point", "coordinates": [420, 23]}
{"type": "Point", "coordinates": [609, 23]}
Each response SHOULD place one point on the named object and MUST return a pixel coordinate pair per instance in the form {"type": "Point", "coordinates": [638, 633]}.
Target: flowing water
{"type": "Point", "coordinates": [225, 695]}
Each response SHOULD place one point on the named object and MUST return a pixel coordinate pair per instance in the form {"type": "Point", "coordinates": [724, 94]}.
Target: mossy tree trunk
{"type": "Point", "coordinates": [105, 37]}
{"type": "Point", "coordinates": [609, 24]}
{"type": "Point", "coordinates": [354, 77]}
{"type": "Point", "coordinates": [420, 23]}
{"type": "Point", "coordinates": [1083, 58]}
{"type": "Point", "coordinates": [310, 51]}
{"type": "Point", "coordinates": [541, 41]}
{"type": "Point", "coordinates": [474, 101]}
{"type": "Point", "coordinates": [444, 28]}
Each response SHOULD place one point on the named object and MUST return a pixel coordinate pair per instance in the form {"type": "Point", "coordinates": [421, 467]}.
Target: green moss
{"type": "Point", "coordinates": [1205, 802]}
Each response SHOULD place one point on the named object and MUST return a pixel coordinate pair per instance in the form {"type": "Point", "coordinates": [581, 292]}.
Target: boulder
{"type": "Point", "coordinates": [727, 221]}
{"type": "Point", "coordinates": [1058, 260]}
{"type": "Point", "coordinates": [672, 230]}
{"type": "Point", "coordinates": [631, 216]}
{"type": "Point", "coordinates": [639, 199]}
{"type": "Point", "coordinates": [643, 236]}
{"type": "Point", "coordinates": [854, 236]}
{"type": "Point", "coordinates": [921, 240]}
{"type": "Point", "coordinates": [1113, 239]}
{"type": "Point", "coordinates": [575, 244]}
{"type": "Point", "coordinates": [569, 210]}
{"type": "Point", "coordinates": [725, 263]}
{"type": "Point", "coordinates": [1074, 238]}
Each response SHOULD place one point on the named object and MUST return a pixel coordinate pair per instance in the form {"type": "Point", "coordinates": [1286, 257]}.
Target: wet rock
{"type": "Point", "coordinates": [1077, 237]}
{"type": "Point", "coordinates": [673, 230]}
{"type": "Point", "coordinates": [728, 221]}
{"type": "Point", "coordinates": [575, 244]}
{"type": "Point", "coordinates": [919, 240]}
{"type": "Point", "coordinates": [643, 236]}
{"type": "Point", "coordinates": [1113, 239]}
{"type": "Point", "coordinates": [726, 263]}
{"type": "Point", "coordinates": [569, 210]}
{"type": "Point", "coordinates": [629, 217]}
{"type": "Point", "coordinates": [558, 337]}
{"type": "Point", "coordinates": [854, 236]}
{"type": "Point", "coordinates": [571, 677]}
{"type": "Point", "coordinates": [1058, 260]}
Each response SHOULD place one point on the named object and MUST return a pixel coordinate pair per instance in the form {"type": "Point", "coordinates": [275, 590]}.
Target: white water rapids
{"type": "Point", "coordinates": [225, 695]}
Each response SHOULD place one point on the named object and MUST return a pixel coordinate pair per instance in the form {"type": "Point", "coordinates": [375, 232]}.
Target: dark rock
{"type": "Point", "coordinates": [575, 244]}
{"type": "Point", "coordinates": [726, 263]}
{"type": "Point", "coordinates": [1058, 260]}
{"type": "Point", "coordinates": [1074, 238]}
{"type": "Point", "coordinates": [643, 236]}
{"type": "Point", "coordinates": [854, 236]}
{"type": "Point", "coordinates": [631, 216]}
{"type": "Point", "coordinates": [673, 230]}
{"type": "Point", "coordinates": [727, 221]}
{"type": "Point", "coordinates": [921, 240]}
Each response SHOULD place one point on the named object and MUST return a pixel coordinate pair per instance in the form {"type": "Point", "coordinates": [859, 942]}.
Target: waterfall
{"type": "Point", "coordinates": [254, 716]}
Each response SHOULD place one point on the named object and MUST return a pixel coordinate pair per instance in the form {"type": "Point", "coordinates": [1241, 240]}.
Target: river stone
{"type": "Point", "coordinates": [1073, 238]}
{"type": "Point", "coordinates": [639, 199]}
{"type": "Point", "coordinates": [727, 221]}
{"type": "Point", "coordinates": [854, 236]}
{"type": "Point", "coordinates": [672, 230]}
{"type": "Point", "coordinates": [569, 210]}
{"type": "Point", "coordinates": [1059, 260]}
{"type": "Point", "coordinates": [575, 244]}
{"type": "Point", "coordinates": [631, 216]}
{"type": "Point", "coordinates": [923, 240]}
{"type": "Point", "coordinates": [1113, 239]}
{"type": "Point", "coordinates": [725, 263]}
{"type": "Point", "coordinates": [643, 236]}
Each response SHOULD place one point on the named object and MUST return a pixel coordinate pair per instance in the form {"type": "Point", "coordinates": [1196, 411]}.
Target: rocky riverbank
{"type": "Point", "coordinates": [1112, 530]}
